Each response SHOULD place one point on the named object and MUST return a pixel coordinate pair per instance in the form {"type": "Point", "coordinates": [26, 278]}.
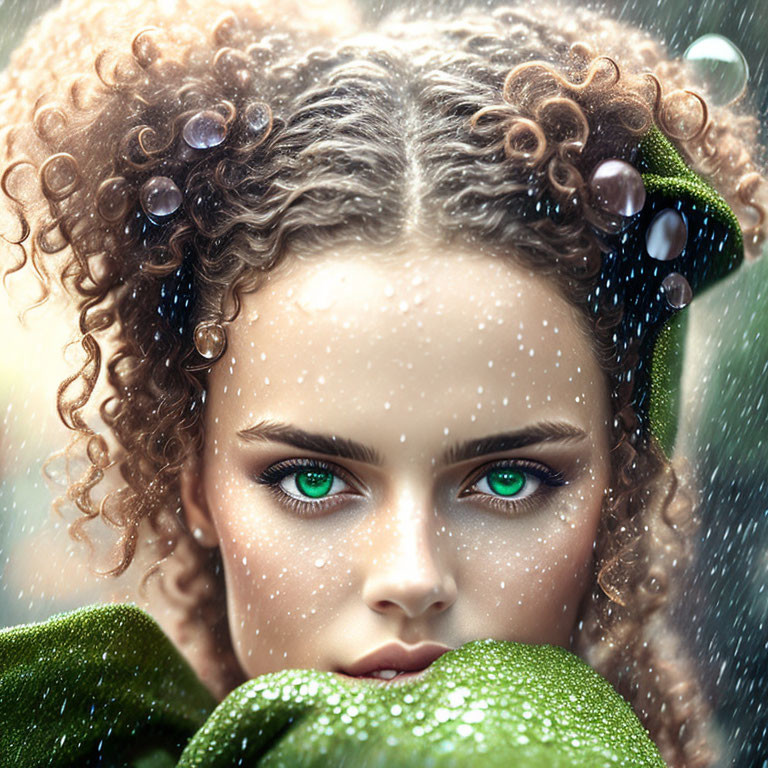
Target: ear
{"type": "Point", "coordinates": [195, 507]}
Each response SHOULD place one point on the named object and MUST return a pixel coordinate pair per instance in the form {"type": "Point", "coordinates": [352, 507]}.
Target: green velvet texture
{"type": "Point", "coordinates": [104, 686]}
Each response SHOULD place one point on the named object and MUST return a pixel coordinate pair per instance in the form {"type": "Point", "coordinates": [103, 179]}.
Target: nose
{"type": "Point", "coordinates": [405, 571]}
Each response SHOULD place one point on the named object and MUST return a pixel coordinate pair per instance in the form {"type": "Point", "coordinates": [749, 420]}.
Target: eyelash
{"type": "Point", "coordinates": [274, 475]}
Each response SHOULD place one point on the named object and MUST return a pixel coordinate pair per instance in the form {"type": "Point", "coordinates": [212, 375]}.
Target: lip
{"type": "Point", "coordinates": [410, 659]}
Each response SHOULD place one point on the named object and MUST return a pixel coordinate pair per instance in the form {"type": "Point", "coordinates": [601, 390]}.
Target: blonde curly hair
{"type": "Point", "coordinates": [450, 119]}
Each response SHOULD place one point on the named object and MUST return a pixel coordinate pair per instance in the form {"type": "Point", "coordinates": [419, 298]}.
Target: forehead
{"type": "Point", "coordinates": [448, 332]}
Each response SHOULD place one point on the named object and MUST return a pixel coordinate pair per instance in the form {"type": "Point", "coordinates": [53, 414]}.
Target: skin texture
{"type": "Point", "coordinates": [408, 352]}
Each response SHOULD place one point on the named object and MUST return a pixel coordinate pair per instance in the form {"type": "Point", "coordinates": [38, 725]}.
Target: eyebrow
{"type": "Point", "coordinates": [332, 445]}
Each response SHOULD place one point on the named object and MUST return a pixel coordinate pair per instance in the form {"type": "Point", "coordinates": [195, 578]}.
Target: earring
{"type": "Point", "coordinates": [198, 533]}
{"type": "Point", "coordinates": [210, 339]}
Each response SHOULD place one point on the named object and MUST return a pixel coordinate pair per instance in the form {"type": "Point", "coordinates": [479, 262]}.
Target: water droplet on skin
{"type": "Point", "coordinates": [319, 563]}
{"type": "Point", "coordinates": [720, 66]}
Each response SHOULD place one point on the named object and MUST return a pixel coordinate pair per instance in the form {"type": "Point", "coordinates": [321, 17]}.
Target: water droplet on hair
{"type": "Point", "coordinates": [720, 66]}
{"type": "Point", "coordinates": [618, 187]}
{"type": "Point", "coordinates": [205, 129]}
{"type": "Point", "coordinates": [258, 118]}
{"type": "Point", "coordinates": [159, 196]}
{"type": "Point", "coordinates": [209, 339]}
{"type": "Point", "coordinates": [113, 198]}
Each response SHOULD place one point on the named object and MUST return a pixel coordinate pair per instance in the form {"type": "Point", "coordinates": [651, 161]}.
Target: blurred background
{"type": "Point", "coordinates": [724, 426]}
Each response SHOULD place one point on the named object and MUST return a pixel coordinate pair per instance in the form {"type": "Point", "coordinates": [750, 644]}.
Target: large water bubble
{"type": "Point", "coordinates": [720, 66]}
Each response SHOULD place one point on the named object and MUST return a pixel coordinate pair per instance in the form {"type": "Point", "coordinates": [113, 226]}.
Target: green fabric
{"type": "Point", "coordinates": [666, 376]}
{"type": "Point", "coordinates": [104, 686]}
{"type": "Point", "coordinates": [667, 174]}
{"type": "Point", "coordinates": [100, 679]}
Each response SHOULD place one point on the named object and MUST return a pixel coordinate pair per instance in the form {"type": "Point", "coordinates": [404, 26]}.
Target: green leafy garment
{"type": "Point", "coordinates": [104, 686]}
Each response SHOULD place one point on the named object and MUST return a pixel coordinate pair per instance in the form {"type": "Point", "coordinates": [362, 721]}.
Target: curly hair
{"type": "Point", "coordinates": [445, 123]}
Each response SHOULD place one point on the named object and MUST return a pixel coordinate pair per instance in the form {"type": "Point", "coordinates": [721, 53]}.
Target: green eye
{"type": "Point", "coordinates": [513, 483]}
{"type": "Point", "coordinates": [313, 483]}
{"type": "Point", "coordinates": [506, 482]}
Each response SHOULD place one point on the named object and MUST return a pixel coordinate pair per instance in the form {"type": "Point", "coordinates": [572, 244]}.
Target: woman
{"type": "Point", "coordinates": [376, 362]}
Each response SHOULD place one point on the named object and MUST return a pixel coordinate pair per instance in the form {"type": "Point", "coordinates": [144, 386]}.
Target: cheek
{"type": "Point", "coordinates": [282, 576]}
{"type": "Point", "coordinates": [535, 572]}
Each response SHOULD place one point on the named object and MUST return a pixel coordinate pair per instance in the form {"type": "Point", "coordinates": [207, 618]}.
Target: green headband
{"type": "Point", "coordinates": [679, 237]}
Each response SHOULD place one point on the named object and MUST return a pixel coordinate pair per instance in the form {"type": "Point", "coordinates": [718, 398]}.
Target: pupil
{"type": "Point", "coordinates": [314, 484]}
{"type": "Point", "coordinates": [506, 482]}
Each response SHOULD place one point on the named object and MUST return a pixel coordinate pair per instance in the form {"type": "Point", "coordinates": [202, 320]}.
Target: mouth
{"type": "Point", "coordinates": [387, 676]}
{"type": "Point", "coordinates": [394, 663]}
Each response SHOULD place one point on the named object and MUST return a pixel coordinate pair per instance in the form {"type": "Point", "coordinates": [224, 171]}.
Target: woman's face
{"type": "Point", "coordinates": [409, 447]}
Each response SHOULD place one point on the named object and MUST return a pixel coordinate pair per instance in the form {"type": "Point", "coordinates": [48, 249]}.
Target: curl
{"type": "Point", "coordinates": [675, 125]}
{"type": "Point", "coordinates": [49, 122]}
{"type": "Point", "coordinates": [517, 141]}
{"type": "Point", "coordinates": [144, 49]}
